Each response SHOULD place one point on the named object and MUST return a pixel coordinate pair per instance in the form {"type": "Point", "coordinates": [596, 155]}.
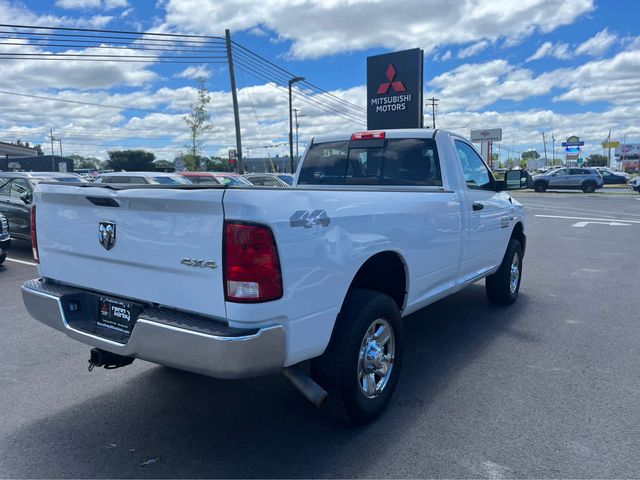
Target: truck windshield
{"type": "Point", "coordinates": [396, 161]}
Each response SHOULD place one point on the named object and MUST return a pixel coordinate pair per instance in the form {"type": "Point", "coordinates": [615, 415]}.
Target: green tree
{"type": "Point", "coordinates": [197, 122]}
{"type": "Point", "coordinates": [130, 160]}
{"type": "Point", "coordinates": [38, 147]}
{"type": "Point", "coordinates": [530, 155]}
{"type": "Point", "coordinates": [85, 162]}
{"type": "Point", "coordinates": [597, 160]}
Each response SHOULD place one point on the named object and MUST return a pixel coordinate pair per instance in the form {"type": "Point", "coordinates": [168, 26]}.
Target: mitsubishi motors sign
{"type": "Point", "coordinates": [394, 90]}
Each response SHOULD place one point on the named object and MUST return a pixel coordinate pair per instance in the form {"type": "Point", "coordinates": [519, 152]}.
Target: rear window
{"type": "Point", "coordinates": [396, 161]}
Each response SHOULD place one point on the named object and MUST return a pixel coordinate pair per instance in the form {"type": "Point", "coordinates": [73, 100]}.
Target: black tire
{"type": "Point", "coordinates": [588, 187]}
{"type": "Point", "coordinates": [338, 369]}
{"type": "Point", "coordinates": [540, 187]}
{"type": "Point", "coordinates": [3, 257]}
{"type": "Point", "coordinates": [498, 286]}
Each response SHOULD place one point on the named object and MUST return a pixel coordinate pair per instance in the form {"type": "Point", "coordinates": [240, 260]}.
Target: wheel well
{"type": "Point", "coordinates": [518, 234]}
{"type": "Point", "coordinates": [384, 272]}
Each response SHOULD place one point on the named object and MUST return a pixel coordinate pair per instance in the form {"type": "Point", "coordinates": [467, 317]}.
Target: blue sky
{"type": "Point", "coordinates": [562, 67]}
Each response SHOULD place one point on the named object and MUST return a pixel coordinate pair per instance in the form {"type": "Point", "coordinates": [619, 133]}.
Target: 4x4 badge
{"type": "Point", "coordinates": [107, 234]}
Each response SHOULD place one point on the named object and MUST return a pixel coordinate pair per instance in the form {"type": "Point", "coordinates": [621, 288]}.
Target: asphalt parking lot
{"type": "Point", "coordinates": [549, 387]}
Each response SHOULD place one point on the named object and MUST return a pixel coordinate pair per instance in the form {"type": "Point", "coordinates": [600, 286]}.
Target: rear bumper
{"type": "Point", "coordinates": [167, 337]}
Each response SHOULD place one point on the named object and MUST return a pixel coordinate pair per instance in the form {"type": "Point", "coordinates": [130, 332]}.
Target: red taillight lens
{"type": "Point", "coordinates": [367, 135]}
{"type": "Point", "coordinates": [34, 236]}
{"type": "Point", "coordinates": [252, 268]}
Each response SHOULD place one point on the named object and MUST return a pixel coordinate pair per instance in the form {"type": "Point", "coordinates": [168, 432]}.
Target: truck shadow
{"type": "Point", "coordinates": [203, 427]}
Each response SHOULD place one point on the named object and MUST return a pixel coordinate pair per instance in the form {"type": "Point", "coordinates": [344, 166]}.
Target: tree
{"type": "Point", "coordinates": [38, 147]}
{"type": "Point", "coordinates": [85, 162]}
{"type": "Point", "coordinates": [597, 160]}
{"type": "Point", "coordinates": [130, 160]}
{"type": "Point", "coordinates": [530, 155]}
{"type": "Point", "coordinates": [197, 120]}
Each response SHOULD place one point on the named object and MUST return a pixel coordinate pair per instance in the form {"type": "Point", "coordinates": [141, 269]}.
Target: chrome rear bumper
{"type": "Point", "coordinates": [175, 339]}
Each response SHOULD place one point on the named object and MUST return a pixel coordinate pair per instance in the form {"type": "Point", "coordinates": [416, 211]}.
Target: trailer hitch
{"type": "Point", "coordinates": [108, 360]}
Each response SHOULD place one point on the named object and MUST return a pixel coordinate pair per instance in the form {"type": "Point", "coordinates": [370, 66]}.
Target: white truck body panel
{"type": "Point", "coordinates": [155, 231]}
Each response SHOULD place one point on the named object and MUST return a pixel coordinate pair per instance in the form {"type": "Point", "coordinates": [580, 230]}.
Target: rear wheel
{"type": "Point", "coordinates": [589, 187]}
{"type": "Point", "coordinates": [540, 187]}
{"type": "Point", "coordinates": [503, 286]}
{"type": "Point", "coordinates": [361, 365]}
{"type": "Point", "coordinates": [3, 257]}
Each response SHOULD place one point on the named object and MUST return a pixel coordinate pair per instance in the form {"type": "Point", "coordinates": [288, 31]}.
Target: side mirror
{"type": "Point", "coordinates": [26, 197]}
{"type": "Point", "coordinates": [517, 180]}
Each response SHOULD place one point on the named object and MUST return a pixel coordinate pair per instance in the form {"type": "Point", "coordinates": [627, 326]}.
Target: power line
{"type": "Point", "coordinates": [289, 75]}
{"type": "Point", "coordinates": [334, 107]}
{"type": "Point", "coordinates": [40, 97]}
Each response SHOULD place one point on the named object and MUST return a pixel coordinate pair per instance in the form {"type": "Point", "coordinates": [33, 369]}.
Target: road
{"type": "Point", "coordinates": [549, 387]}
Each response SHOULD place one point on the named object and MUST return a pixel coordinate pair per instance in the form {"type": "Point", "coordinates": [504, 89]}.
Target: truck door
{"type": "Point", "coordinates": [18, 212]}
{"type": "Point", "coordinates": [488, 213]}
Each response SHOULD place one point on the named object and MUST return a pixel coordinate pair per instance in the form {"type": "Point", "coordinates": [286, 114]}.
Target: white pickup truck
{"type": "Point", "coordinates": [239, 282]}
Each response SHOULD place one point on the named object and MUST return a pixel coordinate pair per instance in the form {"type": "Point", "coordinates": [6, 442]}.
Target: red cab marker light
{"type": "Point", "coordinates": [367, 135]}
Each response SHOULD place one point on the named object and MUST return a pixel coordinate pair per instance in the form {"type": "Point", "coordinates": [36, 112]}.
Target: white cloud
{"type": "Point", "coordinates": [598, 44]}
{"type": "Point", "coordinates": [548, 49]}
{"type": "Point", "coordinates": [473, 50]}
{"type": "Point", "coordinates": [87, 4]}
{"type": "Point", "coordinates": [338, 26]}
{"type": "Point", "coordinates": [446, 56]}
{"type": "Point", "coordinates": [194, 71]}
{"type": "Point", "coordinates": [20, 15]}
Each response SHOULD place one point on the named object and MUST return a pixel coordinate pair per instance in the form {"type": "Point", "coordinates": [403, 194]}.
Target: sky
{"type": "Point", "coordinates": [562, 67]}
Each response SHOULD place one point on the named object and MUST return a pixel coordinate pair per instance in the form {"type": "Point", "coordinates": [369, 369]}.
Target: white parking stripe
{"type": "Point", "coordinates": [21, 261]}
{"type": "Point", "coordinates": [576, 210]}
{"type": "Point", "coordinates": [591, 219]}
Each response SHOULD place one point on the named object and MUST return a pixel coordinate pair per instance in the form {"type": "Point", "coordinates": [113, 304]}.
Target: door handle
{"type": "Point", "coordinates": [477, 206]}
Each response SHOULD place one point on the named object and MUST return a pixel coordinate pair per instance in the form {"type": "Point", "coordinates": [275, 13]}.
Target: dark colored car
{"type": "Point", "coordinates": [611, 178]}
{"type": "Point", "coordinates": [569, 178]}
{"type": "Point", "coordinates": [5, 238]}
{"type": "Point", "coordinates": [16, 195]}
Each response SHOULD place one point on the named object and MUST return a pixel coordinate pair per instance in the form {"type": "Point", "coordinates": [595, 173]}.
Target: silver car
{"type": "Point", "coordinates": [569, 178]}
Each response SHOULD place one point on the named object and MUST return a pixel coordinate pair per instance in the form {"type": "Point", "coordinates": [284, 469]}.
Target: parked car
{"type": "Point", "coordinates": [625, 175]}
{"type": "Point", "coordinates": [149, 178]}
{"type": "Point", "coordinates": [266, 180]}
{"type": "Point", "coordinates": [244, 282]}
{"type": "Point", "coordinates": [231, 179]}
{"type": "Point", "coordinates": [200, 177]}
{"type": "Point", "coordinates": [5, 238]}
{"type": "Point", "coordinates": [16, 195]}
{"type": "Point", "coordinates": [286, 177]}
{"type": "Point", "coordinates": [634, 184]}
{"type": "Point", "coordinates": [569, 178]}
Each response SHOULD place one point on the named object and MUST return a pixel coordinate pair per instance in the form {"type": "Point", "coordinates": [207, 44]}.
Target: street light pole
{"type": "Point", "coordinates": [291, 82]}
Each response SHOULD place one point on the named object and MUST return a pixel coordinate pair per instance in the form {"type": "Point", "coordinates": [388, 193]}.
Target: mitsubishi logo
{"type": "Point", "coordinates": [397, 86]}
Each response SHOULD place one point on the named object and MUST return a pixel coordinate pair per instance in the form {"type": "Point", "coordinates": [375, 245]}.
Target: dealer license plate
{"type": "Point", "coordinates": [115, 315]}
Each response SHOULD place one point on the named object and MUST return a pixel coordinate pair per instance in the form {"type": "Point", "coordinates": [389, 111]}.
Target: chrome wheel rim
{"type": "Point", "coordinates": [376, 358]}
{"type": "Point", "coordinates": [515, 273]}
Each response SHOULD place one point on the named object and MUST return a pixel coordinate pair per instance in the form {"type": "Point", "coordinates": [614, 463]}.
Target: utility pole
{"type": "Point", "coordinates": [291, 82]}
{"type": "Point", "coordinates": [52, 157]}
{"type": "Point", "coordinates": [234, 96]}
{"type": "Point", "coordinates": [553, 148]}
{"type": "Point", "coordinates": [434, 103]}
{"type": "Point", "coordinates": [544, 141]}
{"type": "Point", "coordinates": [295, 110]}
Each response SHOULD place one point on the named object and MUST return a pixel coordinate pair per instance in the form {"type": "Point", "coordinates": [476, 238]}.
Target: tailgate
{"type": "Point", "coordinates": [166, 241]}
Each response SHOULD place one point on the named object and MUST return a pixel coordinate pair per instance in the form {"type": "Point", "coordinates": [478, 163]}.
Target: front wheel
{"type": "Point", "coordinates": [503, 286]}
{"type": "Point", "coordinates": [361, 365]}
{"type": "Point", "coordinates": [540, 187]}
{"type": "Point", "coordinates": [589, 187]}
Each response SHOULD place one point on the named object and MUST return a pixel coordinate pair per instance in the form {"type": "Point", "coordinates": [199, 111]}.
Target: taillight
{"type": "Point", "coordinates": [252, 269]}
{"type": "Point", "coordinates": [34, 236]}
{"type": "Point", "coordinates": [367, 135]}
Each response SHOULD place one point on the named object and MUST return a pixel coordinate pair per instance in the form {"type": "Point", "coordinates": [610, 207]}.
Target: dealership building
{"type": "Point", "coordinates": [26, 159]}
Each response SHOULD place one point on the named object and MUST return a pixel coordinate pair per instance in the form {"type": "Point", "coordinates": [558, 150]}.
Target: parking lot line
{"type": "Point", "coordinates": [23, 262]}
{"type": "Point", "coordinates": [575, 209]}
{"type": "Point", "coordinates": [591, 219]}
